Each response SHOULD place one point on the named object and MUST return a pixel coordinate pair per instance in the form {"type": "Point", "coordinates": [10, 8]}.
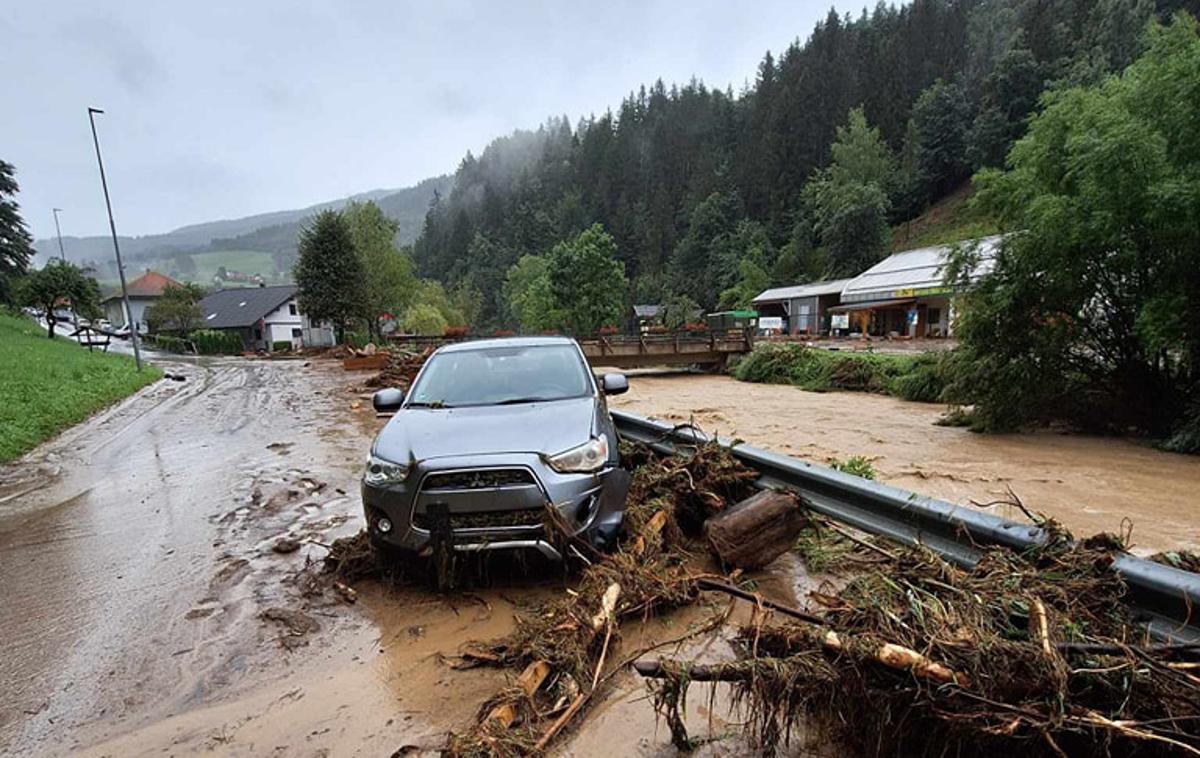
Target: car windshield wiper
{"type": "Point", "coordinates": [434, 404]}
{"type": "Point", "coordinates": [519, 400]}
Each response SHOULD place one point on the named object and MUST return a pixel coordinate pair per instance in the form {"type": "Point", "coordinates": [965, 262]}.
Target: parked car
{"type": "Point", "coordinates": [490, 435]}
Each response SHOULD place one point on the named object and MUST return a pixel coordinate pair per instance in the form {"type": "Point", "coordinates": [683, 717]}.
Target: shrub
{"type": "Point", "coordinates": [214, 342]}
{"type": "Point", "coordinates": [856, 465]}
{"type": "Point", "coordinates": [168, 343]}
{"type": "Point", "coordinates": [281, 346]}
{"type": "Point", "coordinates": [925, 381]}
{"type": "Point", "coordinates": [911, 377]}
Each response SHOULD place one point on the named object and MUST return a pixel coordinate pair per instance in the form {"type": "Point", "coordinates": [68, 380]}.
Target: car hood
{"type": "Point", "coordinates": [424, 433]}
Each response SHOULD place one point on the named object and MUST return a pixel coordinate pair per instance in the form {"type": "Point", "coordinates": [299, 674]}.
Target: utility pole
{"type": "Point", "coordinates": [62, 254]}
{"type": "Point", "coordinates": [58, 230]}
{"type": "Point", "coordinates": [133, 332]}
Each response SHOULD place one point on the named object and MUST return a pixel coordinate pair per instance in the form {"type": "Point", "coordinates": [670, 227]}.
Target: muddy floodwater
{"type": "Point", "coordinates": [1091, 484]}
{"type": "Point", "coordinates": [144, 611]}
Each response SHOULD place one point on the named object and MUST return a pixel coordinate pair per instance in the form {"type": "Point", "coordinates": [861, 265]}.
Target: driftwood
{"type": "Point", "coordinates": [757, 530]}
{"type": "Point", "coordinates": [893, 656]}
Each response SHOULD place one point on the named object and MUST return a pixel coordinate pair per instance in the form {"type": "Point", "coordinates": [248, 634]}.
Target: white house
{"type": "Point", "coordinates": [143, 292]}
{"type": "Point", "coordinates": [263, 316]}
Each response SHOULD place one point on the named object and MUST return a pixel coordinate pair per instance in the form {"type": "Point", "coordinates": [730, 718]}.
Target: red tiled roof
{"type": "Point", "coordinates": [149, 284]}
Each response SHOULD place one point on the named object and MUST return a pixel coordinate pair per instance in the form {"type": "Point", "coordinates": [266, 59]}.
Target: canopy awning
{"type": "Point", "coordinates": [871, 305]}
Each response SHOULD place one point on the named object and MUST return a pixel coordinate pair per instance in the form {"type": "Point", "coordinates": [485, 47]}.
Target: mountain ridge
{"type": "Point", "coordinates": [406, 205]}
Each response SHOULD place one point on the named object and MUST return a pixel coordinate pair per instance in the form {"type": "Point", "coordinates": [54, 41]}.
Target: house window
{"type": "Point", "coordinates": [297, 334]}
{"type": "Point", "coordinates": [291, 309]}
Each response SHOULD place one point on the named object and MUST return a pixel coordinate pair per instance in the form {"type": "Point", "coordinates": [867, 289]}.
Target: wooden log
{"type": "Point", "coordinates": [757, 530]}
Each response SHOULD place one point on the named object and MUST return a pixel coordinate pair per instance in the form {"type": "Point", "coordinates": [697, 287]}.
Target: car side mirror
{"type": "Point", "coordinates": [387, 401]}
{"type": "Point", "coordinates": [614, 384]}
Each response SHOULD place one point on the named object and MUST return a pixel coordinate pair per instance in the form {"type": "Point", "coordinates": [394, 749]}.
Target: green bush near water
{"type": "Point", "coordinates": [49, 385]}
{"type": "Point", "coordinates": [921, 377]}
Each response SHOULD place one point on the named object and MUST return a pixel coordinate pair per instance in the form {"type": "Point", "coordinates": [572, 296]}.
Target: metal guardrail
{"type": "Point", "coordinates": [1166, 597]}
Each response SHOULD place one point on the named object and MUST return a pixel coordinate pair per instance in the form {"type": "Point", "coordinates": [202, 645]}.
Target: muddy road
{"type": "Point", "coordinates": [1089, 483]}
{"type": "Point", "coordinates": [143, 610]}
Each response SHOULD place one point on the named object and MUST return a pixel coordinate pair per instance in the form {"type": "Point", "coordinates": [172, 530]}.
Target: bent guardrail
{"type": "Point", "coordinates": [1168, 597]}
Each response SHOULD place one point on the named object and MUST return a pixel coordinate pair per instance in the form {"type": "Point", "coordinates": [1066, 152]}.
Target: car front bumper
{"type": "Point", "coordinates": [492, 502]}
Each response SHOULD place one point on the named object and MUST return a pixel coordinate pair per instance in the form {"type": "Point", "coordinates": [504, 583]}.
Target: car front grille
{"type": "Point", "coordinates": [478, 479]}
{"type": "Point", "coordinates": [485, 519]}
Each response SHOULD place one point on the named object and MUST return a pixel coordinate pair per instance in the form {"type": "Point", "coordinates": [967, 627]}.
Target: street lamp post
{"type": "Point", "coordinates": [58, 230]}
{"type": "Point", "coordinates": [63, 255]}
{"type": "Point", "coordinates": [133, 332]}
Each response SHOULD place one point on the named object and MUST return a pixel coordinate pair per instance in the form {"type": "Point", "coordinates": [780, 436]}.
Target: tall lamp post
{"type": "Point", "coordinates": [133, 332]}
{"type": "Point", "coordinates": [63, 254]}
{"type": "Point", "coordinates": [58, 230]}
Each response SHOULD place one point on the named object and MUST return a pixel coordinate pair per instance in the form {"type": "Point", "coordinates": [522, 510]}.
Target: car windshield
{"type": "Point", "coordinates": [501, 375]}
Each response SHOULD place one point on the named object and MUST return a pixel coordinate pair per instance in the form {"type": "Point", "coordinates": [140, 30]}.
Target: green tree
{"type": "Point", "coordinates": [942, 117]}
{"type": "Point", "coordinates": [57, 283]}
{"type": "Point", "coordinates": [329, 273]}
{"type": "Point", "coordinates": [678, 310]}
{"type": "Point", "coordinates": [704, 258]}
{"type": "Point", "coordinates": [850, 197]}
{"type": "Point", "coordinates": [16, 244]}
{"type": "Point", "coordinates": [1092, 313]}
{"type": "Point", "coordinates": [752, 280]}
{"type": "Point", "coordinates": [388, 273]}
{"type": "Point", "coordinates": [587, 281]}
{"type": "Point", "coordinates": [528, 296]}
{"type": "Point", "coordinates": [177, 311]}
{"type": "Point", "coordinates": [424, 318]}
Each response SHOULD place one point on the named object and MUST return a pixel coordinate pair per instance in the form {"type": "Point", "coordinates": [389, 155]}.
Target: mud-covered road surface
{"type": "Point", "coordinates": [1091, 484]}
{"type": "Point", "coordinates": [144, 612]}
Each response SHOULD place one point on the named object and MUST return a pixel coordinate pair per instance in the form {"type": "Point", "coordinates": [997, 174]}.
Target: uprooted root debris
{"type": "Point", "coordinates": [1031, 654]}
{"type": "Point", "coordinates": [563, 648]}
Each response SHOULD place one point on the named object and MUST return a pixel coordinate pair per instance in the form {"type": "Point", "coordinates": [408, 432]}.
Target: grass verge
{"type": "Point", "coordinates": [48, 385]}
{"type": "Point", "coordinates": [923, 377]}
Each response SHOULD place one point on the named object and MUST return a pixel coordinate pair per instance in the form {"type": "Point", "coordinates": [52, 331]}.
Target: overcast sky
{"type": "Point", "coordinates": [223, 109]}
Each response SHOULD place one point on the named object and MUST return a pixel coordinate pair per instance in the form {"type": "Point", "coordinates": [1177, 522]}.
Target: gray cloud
{"type": "Point", "coordinates": [224, 108]}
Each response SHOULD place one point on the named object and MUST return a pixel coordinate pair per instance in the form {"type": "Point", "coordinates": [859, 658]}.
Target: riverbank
{"type": "Point", "coordinates": [1091, 484]}
{"type": "Point", "coordinates": [49, 385]}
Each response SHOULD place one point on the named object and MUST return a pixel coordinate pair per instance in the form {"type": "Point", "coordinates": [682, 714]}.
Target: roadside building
{"type": "Point", "coordinates": [905, 295]}
{"type": "Point", "coordinates": [803, 307]}
{"type": "Point", "coordinates": [263, 316]}
{"type": "Point", "coordinates": [643, 317]}
{"type": "Point", "coordinates": [143, 292]}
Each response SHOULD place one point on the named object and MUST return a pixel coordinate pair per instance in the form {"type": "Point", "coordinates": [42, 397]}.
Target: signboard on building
{"type": "Point", "coordinates": [768, 323]}
{"type": "Point", "coordinates": [839, 320]}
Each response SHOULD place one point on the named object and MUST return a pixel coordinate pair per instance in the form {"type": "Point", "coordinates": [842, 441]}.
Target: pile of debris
{"type": "Point", "coordinates": [1036, 653]}
{"type": "Point", "coordinates": [1033, 654]}
{"type": "Point", "coordinates": [400, 370]}
{"type": "Point", "coordinates": [562, 648]}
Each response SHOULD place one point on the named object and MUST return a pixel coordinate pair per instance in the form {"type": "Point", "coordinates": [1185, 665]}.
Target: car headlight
{"type": "Point", "coordinates": [381, 473]}
{"type": "Point", "coordinates": [589, 456]}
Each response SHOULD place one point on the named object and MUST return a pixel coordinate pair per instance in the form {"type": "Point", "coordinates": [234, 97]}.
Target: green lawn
{"type": "Point", "coordinates": [46, 386]}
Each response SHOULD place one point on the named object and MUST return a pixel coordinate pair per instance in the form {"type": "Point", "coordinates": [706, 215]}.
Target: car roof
{"type": "Point", "coordinates": [460, 347]}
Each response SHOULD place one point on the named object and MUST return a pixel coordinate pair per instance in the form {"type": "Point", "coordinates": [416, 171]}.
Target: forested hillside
{"type": "Point", "coordinates": [710, 194]}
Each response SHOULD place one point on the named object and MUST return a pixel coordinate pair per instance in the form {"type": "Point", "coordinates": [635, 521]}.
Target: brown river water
{"type": "Point", "coordinates": [136, 564]}
{"type": "Point", "coordinates": [1090, 484]}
